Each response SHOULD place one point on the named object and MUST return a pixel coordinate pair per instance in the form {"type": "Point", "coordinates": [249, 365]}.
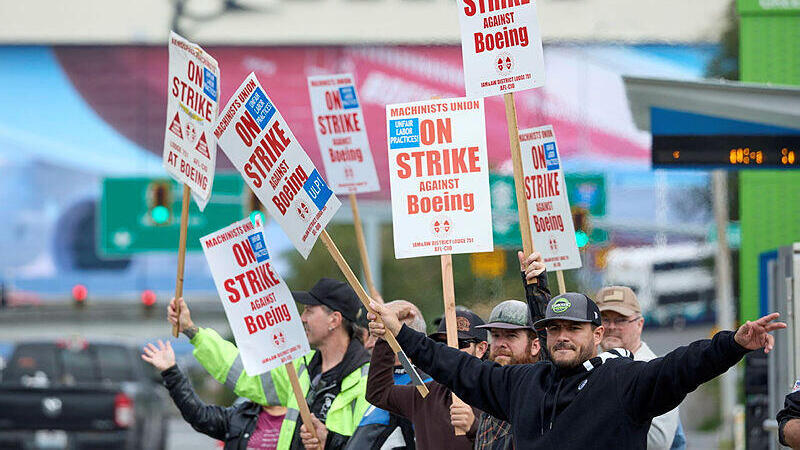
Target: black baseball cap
{"type": "Point", "coordinates": [467, 323]}
{"type": "Point", "coordinates": [336, 295]}
{"type": "Point", "coordinates": [570, 306]}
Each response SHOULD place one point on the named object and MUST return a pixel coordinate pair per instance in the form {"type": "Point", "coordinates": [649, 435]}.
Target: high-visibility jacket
{"type": "Point", "coordinates": [222, 360]}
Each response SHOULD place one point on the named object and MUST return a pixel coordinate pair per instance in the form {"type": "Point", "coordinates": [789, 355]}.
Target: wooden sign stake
{"type": "Point", "coordinates": [305, 412]}
{"type": "Point", "coordinates": [562, 287]}
{"type": "Point", "coordinates": [181, 255]}
{"type": "Point", "coordinates": [362, 294]}
{"type": "Point", "coordinates": [449, 294]}
{"type": "Point", "coordinates": [516, 160]}
{"type": "Point", "coordinates": [362, 247]}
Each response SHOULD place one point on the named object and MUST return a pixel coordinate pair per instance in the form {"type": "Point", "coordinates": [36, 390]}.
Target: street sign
{"type": "Point", "coordinates": [585, 190]}
{"type": "Point", "coordinates": [505, 221]}
{"type": "Point", "coordinates": [125, 220]}
{"type": "Point", "coordinates": [733, 232]}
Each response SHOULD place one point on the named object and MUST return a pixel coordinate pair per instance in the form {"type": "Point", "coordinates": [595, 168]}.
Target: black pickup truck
{"type": "Point", "coordinates": [74, 394]}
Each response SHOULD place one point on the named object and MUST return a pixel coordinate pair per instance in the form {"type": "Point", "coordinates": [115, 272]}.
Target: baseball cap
{"type": "Point", "coordinates": [334, 294]}
{"type": "Point", "coordinates": [511, 315]}
{"type": "Point", "coordinates": [467, 323]}
{"type": "Point", "coordinates": [570, 306]}
{"type": "Point", "coordinates": [619, 299]}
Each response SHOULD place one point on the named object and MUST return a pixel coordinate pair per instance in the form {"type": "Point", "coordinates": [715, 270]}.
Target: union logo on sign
{"type": "Point", "coordinates": [302, 210]}
{"type": "Point", "coordinates": [191, 132]}
{"type": "Point", "coordinates": [553, 243]}
{"type": "Point", "coordinates": [503, 63]}
{"type": "Point", "coordinates": [441, 225]}
{"type": "Point", "coordinates": [278, 338]}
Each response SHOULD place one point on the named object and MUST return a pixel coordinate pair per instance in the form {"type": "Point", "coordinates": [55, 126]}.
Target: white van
{"type": "Point", "coordinates": [674, 283]}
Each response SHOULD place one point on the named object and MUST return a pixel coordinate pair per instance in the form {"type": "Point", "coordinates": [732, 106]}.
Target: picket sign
{"type": "Point", "coordinates": [342, 135]}
{"type": "Point", "coordinates": [259, 306]}
{"type": "Point", "coordinates": [439, 178]}
{"type": "Point", "coordinates": [344, 146]}
{"type": "Point", "coordinates": [260, 144]}
{"type": "Point", "coordinates": [190, 148]}
{"type": "Point", "coordinates": [501, 46]}
{"type": "Point", "coordinates": [547, 201]}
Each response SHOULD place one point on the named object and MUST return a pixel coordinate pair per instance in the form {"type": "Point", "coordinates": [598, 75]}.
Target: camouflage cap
{"type": "Point", "coordinates": [510, 314]}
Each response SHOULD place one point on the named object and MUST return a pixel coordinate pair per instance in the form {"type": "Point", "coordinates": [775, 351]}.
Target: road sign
{"type": "Point", "coordinates": [505, 221]}
{"type": "Point", "coordinates": [126, 225]}
{"type": "Point", "coordinates": [585, 190]}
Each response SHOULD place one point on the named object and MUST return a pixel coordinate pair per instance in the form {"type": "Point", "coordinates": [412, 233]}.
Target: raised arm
{"type": "Point", "coordinates": [211, 420]}
{"type": "Point", "coordinates": [652, 388]}
{"type": "Point", "coordinates": [534, 279]}
{"type": "Point", "coordinates": [381, 390]}
{"type": "Point", "coordinates": [222, 361]}
{"type": "Point", "coordinates": [484, 385]}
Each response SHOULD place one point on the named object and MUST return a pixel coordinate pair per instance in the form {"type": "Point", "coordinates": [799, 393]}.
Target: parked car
{"type": "Point", "coordinates": [74, 394]}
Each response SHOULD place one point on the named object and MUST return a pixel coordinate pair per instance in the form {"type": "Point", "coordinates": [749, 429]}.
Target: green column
{"type": "Point", "coordinates": [769, 208]}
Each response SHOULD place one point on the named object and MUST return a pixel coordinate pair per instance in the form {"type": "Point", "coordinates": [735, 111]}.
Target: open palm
{"type": "Point", "coordinates": [755, 335]}
{"type": "Point", "coordinates": [161, 357]}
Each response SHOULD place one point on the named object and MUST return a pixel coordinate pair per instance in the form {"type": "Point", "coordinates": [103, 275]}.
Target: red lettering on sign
{"type": "Point", "coordinates": [438, 162]}
{"type": "Point", "coordinates": [269, 318]}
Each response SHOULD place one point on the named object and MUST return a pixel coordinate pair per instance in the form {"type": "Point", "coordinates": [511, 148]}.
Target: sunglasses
{"type": "Point", "coordinates": [462, 343]}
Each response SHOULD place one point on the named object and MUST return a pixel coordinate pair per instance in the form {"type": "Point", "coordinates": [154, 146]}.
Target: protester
{"type": "Point", "coordinates": [512, 340]}
{"type": "Point", "coordinates": [622, 320]}
{"type": "Point", "coordinates": [432, 416]}
{"type": "Point", "coordinates": [245, 424]}
{"type": "Point", "coordinates": [380, 429]}
{"type": "Point", "coordinates": [578, 400]}
{"type": "Point", "coordinates": [332, 377]}
{"type": "Point", "coordinates": [789, 420]}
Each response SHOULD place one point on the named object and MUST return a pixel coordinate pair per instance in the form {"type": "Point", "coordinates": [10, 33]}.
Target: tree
{"type": "Point", "coordinates": [726, 63]}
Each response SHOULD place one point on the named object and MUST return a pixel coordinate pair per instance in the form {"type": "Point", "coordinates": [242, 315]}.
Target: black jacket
{"type": "Point", "coordinates": [791, 410]}
{"type": "Point", "coordinates": [232, 425]}
{"type": "Point", "coordinates": [606, 403]}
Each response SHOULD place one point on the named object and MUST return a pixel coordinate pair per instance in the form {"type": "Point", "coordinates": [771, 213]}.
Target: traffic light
{"type": "Point", "coordinates": [159, 200]}
{"type": "Point", "coordinates": [79, 294]}
{"type": "Point", "coordinates": [580, 218]}
{"type": "Point", "coordinates": [253, 208]}
{"type": "Point", "coordinates": [148, 302]}
{"type": "Point", "coordinates": [148, 298]}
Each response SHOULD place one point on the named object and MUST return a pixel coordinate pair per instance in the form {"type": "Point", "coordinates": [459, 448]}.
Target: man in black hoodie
{"type": "Point", "coordinates": [579, 400]}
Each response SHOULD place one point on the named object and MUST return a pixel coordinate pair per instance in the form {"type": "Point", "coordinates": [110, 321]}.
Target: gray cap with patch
{"type": "Point", "coordinates": [570, 306]}
{"type": "Point", "coordinates": [510, 315]}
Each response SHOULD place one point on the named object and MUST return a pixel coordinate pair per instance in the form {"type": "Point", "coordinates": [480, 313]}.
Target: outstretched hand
{"type": "Point", "coordinates": [755, 335]}
{"type": "Point", "coordinates": [161, 357]}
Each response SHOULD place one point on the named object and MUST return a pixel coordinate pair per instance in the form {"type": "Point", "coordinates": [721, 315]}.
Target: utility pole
{"type": "Point", "coordinates": [724, 301]}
